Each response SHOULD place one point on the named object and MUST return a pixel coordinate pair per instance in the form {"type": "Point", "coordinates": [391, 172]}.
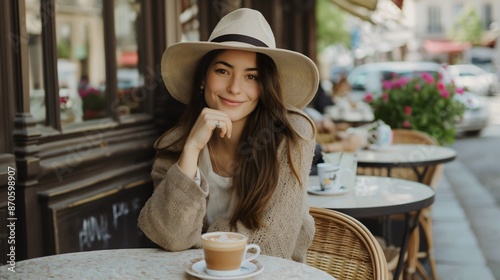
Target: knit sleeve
{"type": "Point", "coordinates": [173, 216]}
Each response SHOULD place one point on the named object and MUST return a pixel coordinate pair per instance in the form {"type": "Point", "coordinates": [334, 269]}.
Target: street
{"type": "Point", "coordinates": [481, 154]}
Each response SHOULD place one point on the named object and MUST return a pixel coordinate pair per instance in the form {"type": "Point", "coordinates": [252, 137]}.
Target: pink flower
{"type": "Point", "coordinates": [385, 96]}
{"type": "Point", "coordinates": [444, 93]}
{"type": "Point", "coordinates": [403, 81]}
{"type": "Point", "coordinates": [428, 78]}
{"type": "Point", "coordinates": [418, 87]}
{"type": "Point", "coordinates": [459, 90]}
{"type": "Point", "coordinates": [406, 124]}
{"type": "Point", "coordinates": [407, 110]}
{"type": "Point", "coordinates": [368, 97]}
{"type": "Point", "coordinates": [440, 86]}
{"type": "Point", "coordinates": [387, 84]}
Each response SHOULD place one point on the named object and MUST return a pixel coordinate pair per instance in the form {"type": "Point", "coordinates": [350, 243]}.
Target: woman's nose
{"type": "Point", "coordinates": [234, 85]}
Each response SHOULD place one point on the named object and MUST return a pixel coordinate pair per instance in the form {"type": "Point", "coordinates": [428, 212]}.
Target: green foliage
{"type": "Point", "coordinates": [63, 49]}
{"type": "Point", "coordinates": [468, 27]}
{"type": "Point", "coordinates": [422, 103]}
{"type": "Point", "coordinates": [330, 21]}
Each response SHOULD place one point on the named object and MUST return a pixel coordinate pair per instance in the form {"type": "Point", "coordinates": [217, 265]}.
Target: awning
{"type": "Point", "coordinates": [361, 9]}
{"type": "Point", "coordinates": [368, 4]}
{"type": "Point", "coordinates": [374, 11]}
{"type": "Point", "coordinates": [445, 47]}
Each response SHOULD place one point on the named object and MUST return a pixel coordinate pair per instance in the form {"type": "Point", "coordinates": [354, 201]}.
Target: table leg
{"type": "Point", "coordinates": [420, 175]}
{"type": "Point", "coordinates": [411, 222]}
{"type": "Point", "coordinates": [387, 230]}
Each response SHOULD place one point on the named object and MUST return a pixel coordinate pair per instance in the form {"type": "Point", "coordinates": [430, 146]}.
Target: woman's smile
{"type": "Point", "coordinates": [230, 102]}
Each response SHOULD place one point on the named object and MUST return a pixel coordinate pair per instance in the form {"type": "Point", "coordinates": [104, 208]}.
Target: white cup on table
{"type": "Point", "coordinates": [331, 176]}
{"type": "Point", "coordinates": [348, 164]}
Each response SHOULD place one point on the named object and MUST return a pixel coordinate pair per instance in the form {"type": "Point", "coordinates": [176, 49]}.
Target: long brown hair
{"type": "Point", "coordinates": [256, 166]}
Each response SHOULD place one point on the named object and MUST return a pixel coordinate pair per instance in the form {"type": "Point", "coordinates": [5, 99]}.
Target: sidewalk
{"type": "Point", "coordinates": [466, 227]}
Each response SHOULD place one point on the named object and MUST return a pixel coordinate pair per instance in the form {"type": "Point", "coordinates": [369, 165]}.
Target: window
{"type": "Point", "coordinates": [434, 17]}
{"type": "Point", "coordinates": [81, 73]}
{"type": "Point", "coordinates": [130, 77]}
{"type": "Point", "coordinates": [35, 58]}
{"type": "Point", "coordinates": [99, 66]}
{"type": "Point", "coordinates": [457, 9]}
{"type": "Point", "coordinates": [189, 21]}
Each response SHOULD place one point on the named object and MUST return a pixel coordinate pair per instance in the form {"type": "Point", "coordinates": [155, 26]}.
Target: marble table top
{"type": "Point", "coordinates": [374, 196]}
{"type": "Point", "coordinates": [397, 154]}
{"type": "Point", "coordinates": [142, 264]}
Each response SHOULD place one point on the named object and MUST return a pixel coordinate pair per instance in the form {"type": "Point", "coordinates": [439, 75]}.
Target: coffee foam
{"type": "Point", "coordinates": [223, 240]}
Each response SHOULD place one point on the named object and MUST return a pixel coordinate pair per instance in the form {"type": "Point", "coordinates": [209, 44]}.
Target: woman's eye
{"type": "Point", "coordinates": [252, 77]}
{"type": "Point", "coordinates": [221, 71]}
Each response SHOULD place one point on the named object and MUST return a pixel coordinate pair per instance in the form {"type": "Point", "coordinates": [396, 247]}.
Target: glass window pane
{"type": "Point", "coordinates": [190, 26]}
{"type": "Point", "coordinates": [130, 76]}
{"type": "Point", "coordinates": [35, 58]}
{"type": "Point", "coordinates": [81, 65]}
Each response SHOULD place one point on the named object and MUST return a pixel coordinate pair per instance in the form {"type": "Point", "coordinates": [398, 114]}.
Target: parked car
{"type": "Point", "coordinates": [368, 78]}
{"type": "Point", "coordinates": [474, 78]}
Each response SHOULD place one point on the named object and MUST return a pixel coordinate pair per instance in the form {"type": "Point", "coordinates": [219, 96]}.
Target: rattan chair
{"type": "Point", "coordinates": [345, 248]}
{"type": "Point", "coordinates": [431, 178]}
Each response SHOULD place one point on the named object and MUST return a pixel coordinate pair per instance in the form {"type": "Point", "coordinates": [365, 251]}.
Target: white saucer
{"type": "Point", "coordinates": [317, 191]}
{"type": "Point", "coordinates": [249, 269]}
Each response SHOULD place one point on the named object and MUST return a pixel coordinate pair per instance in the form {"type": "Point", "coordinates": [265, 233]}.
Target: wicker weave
{"type": "Point", "coordinates": [345, 248]}
{"type": "Point", "coordinates": [432, 178]}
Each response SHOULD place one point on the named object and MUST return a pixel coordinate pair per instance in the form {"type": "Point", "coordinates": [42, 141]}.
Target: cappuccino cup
{"type": "Point", "coordinates": [226, 252]}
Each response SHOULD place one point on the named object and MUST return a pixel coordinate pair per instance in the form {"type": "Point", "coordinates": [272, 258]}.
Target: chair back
{"type": "Point", "coordinates": [345, 248]}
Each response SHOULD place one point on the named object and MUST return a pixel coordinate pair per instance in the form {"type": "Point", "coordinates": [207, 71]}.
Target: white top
{"type": "Point", "coordinates": [220, 193]}
{"type": "Point", "coordinates": [143, 264]}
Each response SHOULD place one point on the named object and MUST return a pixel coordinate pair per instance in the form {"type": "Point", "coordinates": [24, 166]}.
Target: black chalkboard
{"type": "Point", "coordinates": [104, 220]}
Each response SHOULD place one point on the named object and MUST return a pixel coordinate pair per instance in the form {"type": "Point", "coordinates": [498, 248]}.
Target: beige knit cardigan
{"type": "Point", "coordinates": [174, 216]}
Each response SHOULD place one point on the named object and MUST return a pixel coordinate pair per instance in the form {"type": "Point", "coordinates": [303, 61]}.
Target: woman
{"type": "Point", "coordinates": [240, 156]}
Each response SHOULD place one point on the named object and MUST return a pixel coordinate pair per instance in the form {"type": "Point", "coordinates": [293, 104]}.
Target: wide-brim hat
{"type": "Point", "coordinates": [243, 29]}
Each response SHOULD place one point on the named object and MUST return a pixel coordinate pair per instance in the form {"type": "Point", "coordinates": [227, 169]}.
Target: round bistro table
{"type": "Point", "coordinates": [143, 264]}
{"type": "Point", "coordinates": [406, 155]}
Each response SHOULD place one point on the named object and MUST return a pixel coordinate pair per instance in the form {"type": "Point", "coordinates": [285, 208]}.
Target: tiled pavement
{"type": "Point", "coordinates": [466, 226]}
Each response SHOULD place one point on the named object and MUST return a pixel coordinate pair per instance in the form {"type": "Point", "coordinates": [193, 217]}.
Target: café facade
{"type": "Point", "coordinates": [82, 103]}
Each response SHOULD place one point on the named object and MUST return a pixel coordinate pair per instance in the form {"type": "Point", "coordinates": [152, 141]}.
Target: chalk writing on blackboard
{"type": "Point", "coordinates": [103, 221]}
{"type": "Point", "coordinates": [94, 230]}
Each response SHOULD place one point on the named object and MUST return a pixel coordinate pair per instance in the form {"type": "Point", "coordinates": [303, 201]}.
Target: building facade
{"type": "Point", "coordinates": [431, 24]}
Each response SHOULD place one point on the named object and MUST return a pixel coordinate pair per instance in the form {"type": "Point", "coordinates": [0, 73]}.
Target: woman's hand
{"type": "Point", "coordinates": [202, 130]}
{"type": "Point", "coordinates": [207, 122]}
